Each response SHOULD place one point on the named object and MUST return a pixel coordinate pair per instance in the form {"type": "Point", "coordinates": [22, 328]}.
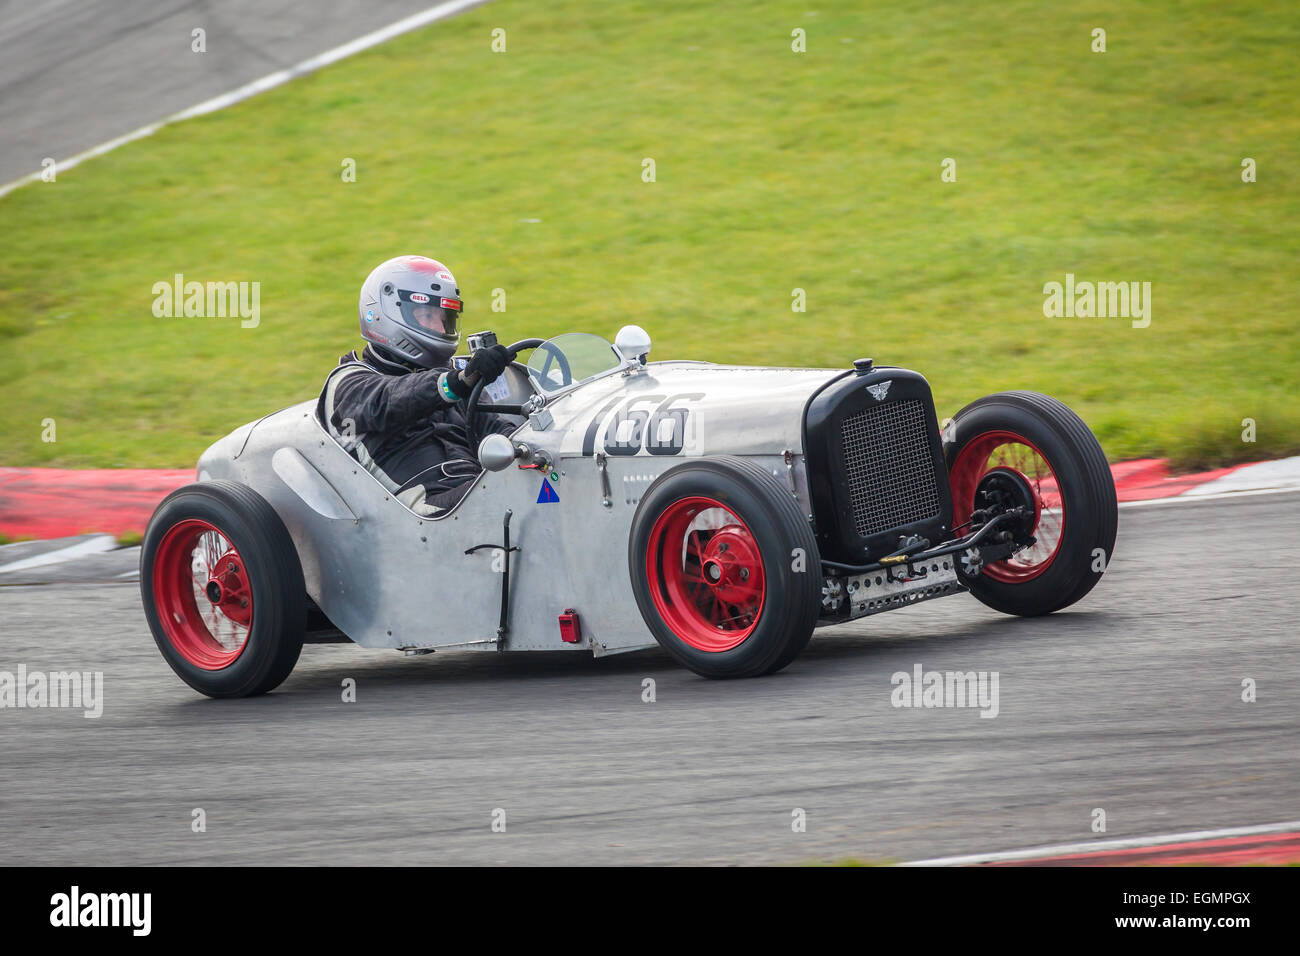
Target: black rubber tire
{"type": "Point", "coordinates": [793, 598]}
{"type": "Point", "coordinates": [1087, 487]}
{"type": "Point", "coordinates": [274, 576]}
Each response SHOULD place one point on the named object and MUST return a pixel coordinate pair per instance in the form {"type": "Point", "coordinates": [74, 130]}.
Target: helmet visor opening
{"type": "Point", "coordinates": [430, 313]}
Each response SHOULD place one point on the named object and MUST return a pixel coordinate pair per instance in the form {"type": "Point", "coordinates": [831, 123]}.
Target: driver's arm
{"type": "Point", "coordinates": [385, 403]}
{"type": "Point", "coordinates": [388, 403]}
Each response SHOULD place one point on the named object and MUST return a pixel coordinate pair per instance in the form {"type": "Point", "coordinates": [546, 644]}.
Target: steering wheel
{"type": "Point", "coordinates": [471, 404]}
{"type": "Point", "coordinates": [555, 355]}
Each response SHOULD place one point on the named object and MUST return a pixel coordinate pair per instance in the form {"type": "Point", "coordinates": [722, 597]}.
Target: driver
{"type": "Point", "coordinates": [398, 407]}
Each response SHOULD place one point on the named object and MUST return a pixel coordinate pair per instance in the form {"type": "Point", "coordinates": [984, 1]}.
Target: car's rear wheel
{"type": "Point", "coordinates": [223, 589]}
{"type": "Point", "coordinates": [725, 568]}
{"type": "Point", "coordinates": [1023, 449]}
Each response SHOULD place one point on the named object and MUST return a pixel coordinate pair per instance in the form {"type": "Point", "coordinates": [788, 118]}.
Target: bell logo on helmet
{"type": "Point", "coordinates": [419, 297]}
{"type": "Point", "coordinates": [446, 276]}
{"type": "Point", "coordinates": [879, 390]}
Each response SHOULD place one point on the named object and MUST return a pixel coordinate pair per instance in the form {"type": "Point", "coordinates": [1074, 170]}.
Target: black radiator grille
{"type": "Point", "coordinates": [890, 466]}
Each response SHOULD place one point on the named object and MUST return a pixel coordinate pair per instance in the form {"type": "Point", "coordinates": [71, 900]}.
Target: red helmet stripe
{"type": "Point", "coordinates": [422, 264]}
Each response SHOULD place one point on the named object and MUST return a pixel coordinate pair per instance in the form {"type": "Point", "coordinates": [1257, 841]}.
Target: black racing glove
{"type": "Point", "coordinates": [486, 364]}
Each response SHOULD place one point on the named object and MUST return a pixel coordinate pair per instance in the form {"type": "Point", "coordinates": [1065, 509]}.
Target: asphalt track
{"type": "Point", "coordinates": [77, 73]}
{"type": "Point", "coordinates": [1128, 702]}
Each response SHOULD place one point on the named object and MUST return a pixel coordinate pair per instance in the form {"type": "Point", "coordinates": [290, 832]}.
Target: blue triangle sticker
{"type": "Point", "coordinates": [547, 493]}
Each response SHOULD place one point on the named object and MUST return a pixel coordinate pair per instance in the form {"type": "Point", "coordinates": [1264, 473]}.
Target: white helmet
{"type": "Point", "coordinates": [410, 311]}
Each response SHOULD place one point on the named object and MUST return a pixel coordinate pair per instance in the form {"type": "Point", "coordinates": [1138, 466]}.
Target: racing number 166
{"type": "Point", "coordinates": [656, 423]}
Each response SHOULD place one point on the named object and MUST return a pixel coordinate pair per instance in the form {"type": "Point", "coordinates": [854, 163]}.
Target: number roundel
{"type": "Point", "coordinates": [653, 424]}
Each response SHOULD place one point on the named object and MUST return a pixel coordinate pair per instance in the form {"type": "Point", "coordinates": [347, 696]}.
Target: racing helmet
{"type": "Point", "coordinates": [410, 311]}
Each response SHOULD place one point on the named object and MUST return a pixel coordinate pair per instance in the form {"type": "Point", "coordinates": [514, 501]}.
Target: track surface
{"type": "Point", "coordinates": [77, 73]}
{"type": "Point", "coordinates": [1129, 702]}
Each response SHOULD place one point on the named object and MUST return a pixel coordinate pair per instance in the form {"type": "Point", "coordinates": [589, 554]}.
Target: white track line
{"type": "Point", "coordinates": [1185, 499]}
{"type": "Point", "coordinates": [1279, 473]}
{"type": "Point", "coordinates": [414, 22]}
{"type": "Point", "coordinates": [95, 545]}
{"type": "Point", "coordinates": [1121, 844]}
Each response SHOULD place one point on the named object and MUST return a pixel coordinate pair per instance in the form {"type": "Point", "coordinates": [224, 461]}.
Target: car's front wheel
{"type": "Point", "coordinates": [223, 589]}
{"type": "Point", "coordinates": [725, 568]}
{"type": "Point", "coordinates": [1028, 451]}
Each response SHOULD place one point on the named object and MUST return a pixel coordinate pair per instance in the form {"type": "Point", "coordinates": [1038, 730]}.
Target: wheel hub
{"type": "Point", "coordinates": [728, 562]}
{"type": "Point", "coordinates": [227, 590]}
{"type": "Point", "coordinates": [1003, 490]}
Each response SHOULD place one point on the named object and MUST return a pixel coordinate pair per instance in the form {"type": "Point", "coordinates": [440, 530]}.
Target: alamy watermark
{"type": "Point", "coordinates": [84, 689]}
{"type": "Point", "coordinates": [208, 299]}
{"type": "Point", "coordinates": [922, 688]}
{"type": "Point", "coordinates": [1101, 300]}
{"type": "Point", "coordinates": [128, 910]}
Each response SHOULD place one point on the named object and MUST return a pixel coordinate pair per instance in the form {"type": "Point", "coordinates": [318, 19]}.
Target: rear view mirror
{"type": "Point", "coordinates": [496, 452]}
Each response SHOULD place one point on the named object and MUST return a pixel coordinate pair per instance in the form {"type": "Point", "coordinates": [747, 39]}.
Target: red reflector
{"type": "Point", "coordinates": [451, 304]}
{"type": "Point", "coordinates": [570, 629]}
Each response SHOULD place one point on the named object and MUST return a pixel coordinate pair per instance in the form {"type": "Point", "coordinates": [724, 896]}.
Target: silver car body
{"type": "Point", "coordinates": [387, 577]}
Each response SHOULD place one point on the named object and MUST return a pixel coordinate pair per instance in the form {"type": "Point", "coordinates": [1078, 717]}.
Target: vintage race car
{"type": "Point", "coordinates": [723, 512]}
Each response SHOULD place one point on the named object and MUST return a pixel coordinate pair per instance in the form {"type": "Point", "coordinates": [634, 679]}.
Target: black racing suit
{"type": "Point", "coordinates": [395, 422]}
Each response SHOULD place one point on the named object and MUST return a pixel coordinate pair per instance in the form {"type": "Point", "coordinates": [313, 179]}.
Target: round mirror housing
{"type": "Point", "coordinates": [633, 343]}
{"type": "Point", "coordinates": [496, 452]}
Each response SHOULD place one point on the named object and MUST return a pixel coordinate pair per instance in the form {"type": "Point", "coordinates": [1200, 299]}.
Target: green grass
{"type": "Point", "coordinates": [775, 170]}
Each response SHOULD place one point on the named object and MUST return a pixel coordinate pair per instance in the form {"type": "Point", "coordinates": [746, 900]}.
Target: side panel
{"type": "Point", "coordinates": [389, 578]}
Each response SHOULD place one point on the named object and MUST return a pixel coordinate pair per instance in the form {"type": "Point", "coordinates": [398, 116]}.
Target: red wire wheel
{"type": "Point", "coordinates": [724, 568]}
{"type": "Point", "coordinates": [1007, 451]}
{"type": "Point", "coordinates": [222, 589]}
{"type": "Point", "coordinates": [706, 574]}
{"type": "Point", "coordinates": [1027, 450]}
{"type": "Point", "coordinates": [202, 594]}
